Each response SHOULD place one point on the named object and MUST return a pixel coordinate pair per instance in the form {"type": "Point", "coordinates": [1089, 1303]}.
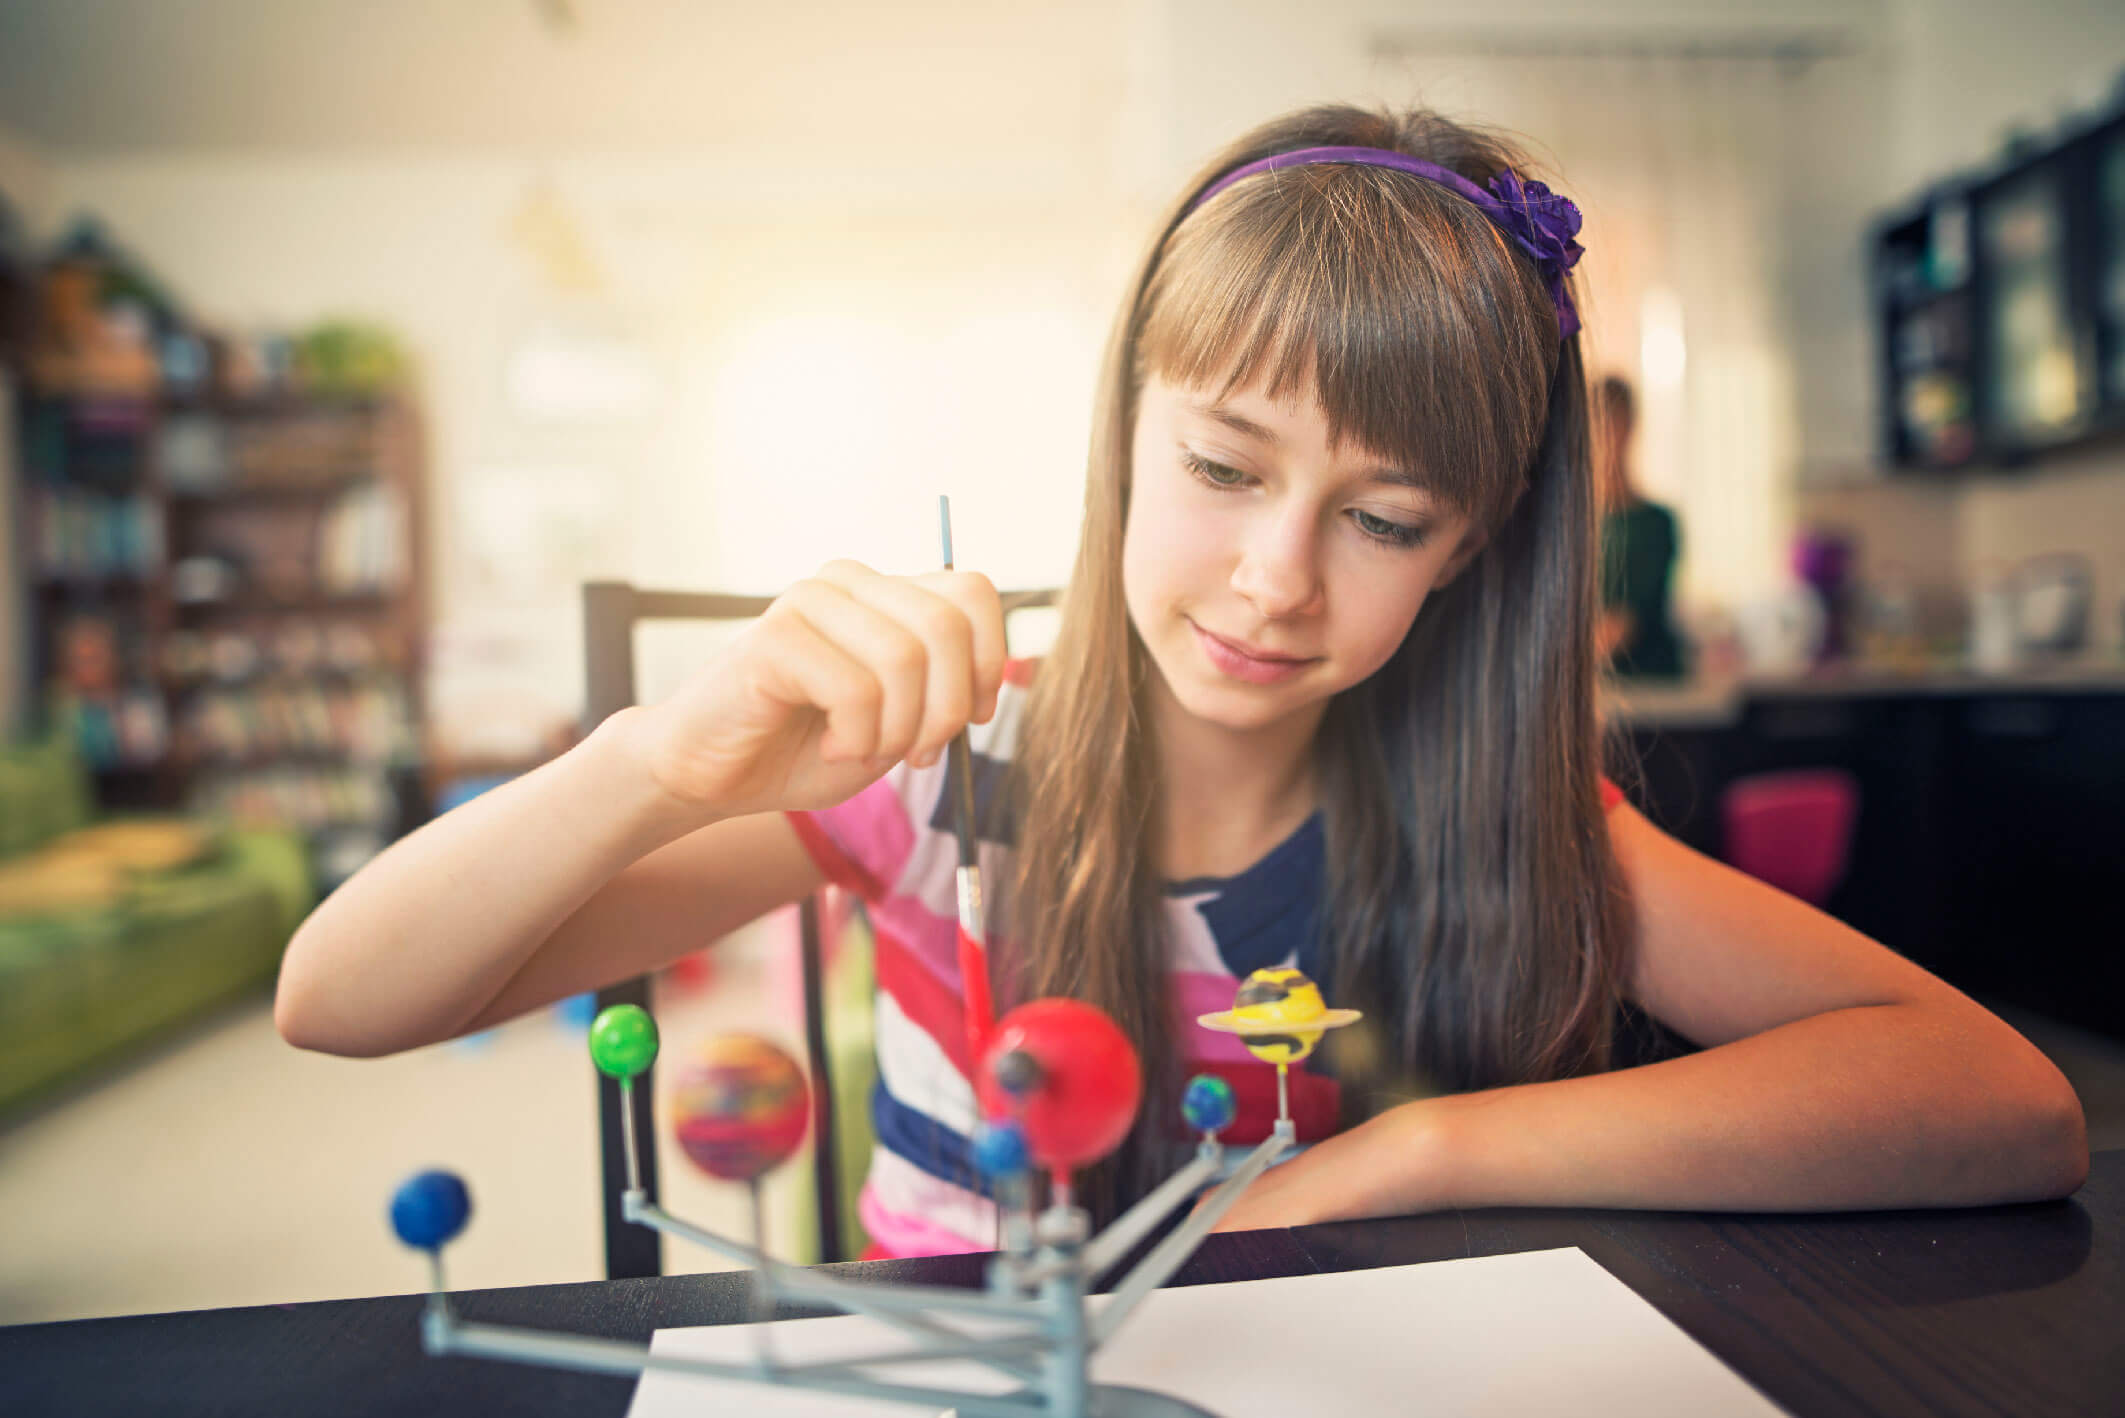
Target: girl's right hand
{"type": "Point", "coordinates": [845, 674]}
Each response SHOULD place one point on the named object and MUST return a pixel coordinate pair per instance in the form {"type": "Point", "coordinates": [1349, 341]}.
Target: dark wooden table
{"type": "Point", "coordinates": [2013, 1310]}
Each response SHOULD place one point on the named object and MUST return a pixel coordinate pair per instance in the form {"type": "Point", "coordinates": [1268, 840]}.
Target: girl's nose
{"type": "Point", "coordinates": [1279, 571]}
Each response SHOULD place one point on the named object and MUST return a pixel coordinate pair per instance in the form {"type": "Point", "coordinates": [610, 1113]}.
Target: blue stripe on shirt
{"type": "Point", "coordinates": [923, 1141]}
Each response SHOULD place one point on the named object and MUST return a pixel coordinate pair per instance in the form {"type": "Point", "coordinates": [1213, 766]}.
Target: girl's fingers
{"type": "Point", "coordinates": [976, 598]}
{"type": "Point", "coordinates": [895, 658]}
{"type": "Point", "coordinates": [806, 668]}
{"type": "Point", "coordinates": [946, 635]}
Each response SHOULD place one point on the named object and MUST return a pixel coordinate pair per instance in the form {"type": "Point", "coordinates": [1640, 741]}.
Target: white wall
{"type": "Point", "coordinates": [25, 176]}
{"type": "Point", "coordinates": [1968, 71]}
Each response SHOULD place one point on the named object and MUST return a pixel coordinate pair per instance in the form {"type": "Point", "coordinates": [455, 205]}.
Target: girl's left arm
{"type": "Point", "coordinates": [1835, 1075]}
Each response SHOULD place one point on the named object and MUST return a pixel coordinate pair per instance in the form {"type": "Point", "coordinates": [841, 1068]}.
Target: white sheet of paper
{"type": "Point", "coordinates": [1540, 1332]}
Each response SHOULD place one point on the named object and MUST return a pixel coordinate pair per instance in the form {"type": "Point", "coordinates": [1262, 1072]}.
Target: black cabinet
{"type": "Point", "coordinates": [2106, 265]}
{"type": "Point", "coordinates": [1999, 301]}
{"type": "Point", "coordinates": [1990, 842]}
{"type": "Point", "coordinates": [2038, 853]}
{"type": "Point", "coordinates": [1925, 303]}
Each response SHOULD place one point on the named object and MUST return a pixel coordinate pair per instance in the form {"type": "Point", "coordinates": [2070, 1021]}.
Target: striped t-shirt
{"type": "Point", "coordinates": [893, 845]}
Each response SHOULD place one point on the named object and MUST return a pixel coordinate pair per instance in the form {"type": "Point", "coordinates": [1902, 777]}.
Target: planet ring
{"type": "Point", "coordinates": [1224, 1023]}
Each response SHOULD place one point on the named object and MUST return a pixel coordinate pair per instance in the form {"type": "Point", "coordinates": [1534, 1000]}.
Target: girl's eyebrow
{"type": "Point", "coordinates": [1248, 428]}
{"type": "Point", "coordinates": [1238, 423]}
{"type": "Point", "coordinates": [1401, 477]}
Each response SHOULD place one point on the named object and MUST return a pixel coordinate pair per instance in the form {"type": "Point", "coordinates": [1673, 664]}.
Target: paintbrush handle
{"type": "Point", "coordinates": [973, 930]}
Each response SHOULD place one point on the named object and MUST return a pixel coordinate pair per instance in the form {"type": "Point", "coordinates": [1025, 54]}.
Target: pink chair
{"type": "Point", "coordinates": [1792, 830]}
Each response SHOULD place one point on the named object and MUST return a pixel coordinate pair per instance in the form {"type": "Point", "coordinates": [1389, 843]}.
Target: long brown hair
{"type": "Point", "coordinates": [1472, 906]}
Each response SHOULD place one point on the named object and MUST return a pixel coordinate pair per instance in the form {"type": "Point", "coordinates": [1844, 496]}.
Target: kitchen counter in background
{"type": "Point", "coordinates": [1990, 841]}
{"type": "Point", "coordinates": [1700, 703]}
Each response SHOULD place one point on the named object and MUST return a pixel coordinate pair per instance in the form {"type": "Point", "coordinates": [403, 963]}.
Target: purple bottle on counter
{"type": "Point", "coordinates": [1822, 559]}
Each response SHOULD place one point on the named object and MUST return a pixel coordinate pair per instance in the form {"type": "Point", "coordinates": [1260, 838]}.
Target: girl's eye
{"type": "Point", "coordinates": [1395, 534]}
{"type": "Point", "coordinates": [1216, 474]}
{"type": "Point", "coordinates": [1379, 529]}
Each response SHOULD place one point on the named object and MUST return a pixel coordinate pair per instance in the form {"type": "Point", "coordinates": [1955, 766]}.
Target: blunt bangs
{"type": "Point", "coordinates": [1389, 299]}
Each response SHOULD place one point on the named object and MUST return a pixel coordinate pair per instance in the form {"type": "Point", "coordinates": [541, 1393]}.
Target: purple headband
{"type": "Point", "coordinates": [1537, 219]}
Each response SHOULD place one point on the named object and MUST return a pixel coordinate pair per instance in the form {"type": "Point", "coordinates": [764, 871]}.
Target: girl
{"type": "Point", "coordinates": [1323, 695]}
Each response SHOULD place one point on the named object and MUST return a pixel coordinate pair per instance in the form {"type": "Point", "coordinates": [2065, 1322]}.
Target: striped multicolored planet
{"type": "Point", "coordinates": [740, 1107]}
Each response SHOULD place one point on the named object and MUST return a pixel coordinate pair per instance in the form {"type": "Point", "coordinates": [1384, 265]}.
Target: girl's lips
{"type": "Point", "coordinates": [1240, 665]}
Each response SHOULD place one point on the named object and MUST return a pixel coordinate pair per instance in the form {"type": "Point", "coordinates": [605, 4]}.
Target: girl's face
{"type": "Point", "coordinates": [1265, 570]}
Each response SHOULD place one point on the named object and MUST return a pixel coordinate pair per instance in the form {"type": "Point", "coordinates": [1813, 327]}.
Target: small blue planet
{"type": "Point", "coordinates": [430, 1208]}
{"type": "Point", "coordinates": [1207, 1103]}
{"type": "Point", "coordinates": [1000, 1150]}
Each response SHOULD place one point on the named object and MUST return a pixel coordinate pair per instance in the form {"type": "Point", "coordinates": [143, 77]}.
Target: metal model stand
{"type": "Point", "coordinates": [1032, 1324]}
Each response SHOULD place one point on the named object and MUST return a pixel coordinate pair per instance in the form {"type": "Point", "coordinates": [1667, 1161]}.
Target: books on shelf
{"type": "Point", "coordinates": [125, 729]}
{"type": "Point", "coordinates": [361, 542]}
{"type": "Point", "coordinates": [361, 723]}
{"type": "Point", "coordinates": [208, 451]}
{"type": "Point", "coordinates": [84, 534]}
{"type": "Point", "coordinates": [315, 799]}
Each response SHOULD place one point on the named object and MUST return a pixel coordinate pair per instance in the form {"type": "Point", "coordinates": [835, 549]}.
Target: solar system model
{"type": "Point", "coordinates": [1058, 1085]}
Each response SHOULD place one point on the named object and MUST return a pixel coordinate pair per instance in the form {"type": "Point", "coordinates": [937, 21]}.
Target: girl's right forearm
{"type": "Point", "coordinates": [410, 948]}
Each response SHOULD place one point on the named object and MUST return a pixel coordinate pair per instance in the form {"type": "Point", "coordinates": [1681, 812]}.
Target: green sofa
{"type": "Point", "coordinates": [113, 932]}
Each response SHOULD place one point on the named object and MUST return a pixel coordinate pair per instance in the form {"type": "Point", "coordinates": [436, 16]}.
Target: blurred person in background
{"type": "Point", "coordinates": [1640, 540]}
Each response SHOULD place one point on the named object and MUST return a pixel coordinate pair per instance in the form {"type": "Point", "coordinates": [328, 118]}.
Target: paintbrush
{"type": "Point", "coordinates": [973, 940]}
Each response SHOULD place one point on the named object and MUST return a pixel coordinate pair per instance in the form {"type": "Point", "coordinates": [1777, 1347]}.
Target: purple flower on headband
{"type": "Point", "coordinates": [1544, 223]}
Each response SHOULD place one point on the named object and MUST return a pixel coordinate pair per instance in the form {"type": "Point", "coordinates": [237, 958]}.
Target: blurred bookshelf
{"type": "Point", "coordinates": [226, 602]}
